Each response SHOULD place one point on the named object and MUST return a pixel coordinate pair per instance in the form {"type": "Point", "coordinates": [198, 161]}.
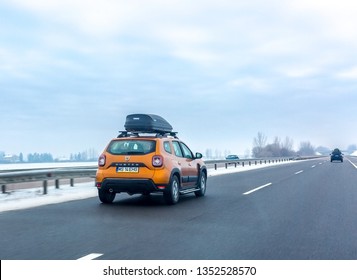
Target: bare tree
{"type": "Point", "coordinates": [259, 143]}
{"type": "Point", "coordinates": [288, 144]}
{"type": "Point", "coordinates": [287, 147]}
{"type": "Point", "coordinates": [306, 149]}
{"type": "Point", "coordinates": [275, 149]}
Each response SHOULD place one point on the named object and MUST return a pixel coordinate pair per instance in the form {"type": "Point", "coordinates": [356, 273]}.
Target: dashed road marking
{"type": "Point", "coordinates": [301, 171]}
{"type": "Point", "coordinates": [90, 257]}
{"type": "Point", "coordinates": [256, 189]}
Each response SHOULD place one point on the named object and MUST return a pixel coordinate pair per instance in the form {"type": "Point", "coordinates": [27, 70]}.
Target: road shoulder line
{"type": "Point", "coordinates": [355, 166]}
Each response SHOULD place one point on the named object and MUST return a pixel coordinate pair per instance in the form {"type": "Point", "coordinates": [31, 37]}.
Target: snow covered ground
{"type": "Point", "coordinates": [25, 166]}
{"type": "Point", "coordinates": [28, 198]}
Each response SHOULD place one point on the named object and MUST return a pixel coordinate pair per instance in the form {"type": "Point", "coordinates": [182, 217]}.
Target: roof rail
{"type": "Point", "coordinates": [154, 133]}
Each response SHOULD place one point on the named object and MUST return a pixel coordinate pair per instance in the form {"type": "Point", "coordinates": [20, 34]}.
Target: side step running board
{"type": "Point", "coordinates": [189, 190]}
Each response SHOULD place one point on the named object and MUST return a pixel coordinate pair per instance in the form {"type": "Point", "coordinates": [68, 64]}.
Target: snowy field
{"type": "Point", "coordinates": [26, 166]}
{"type": "Point", "coordinates": [28, 198]}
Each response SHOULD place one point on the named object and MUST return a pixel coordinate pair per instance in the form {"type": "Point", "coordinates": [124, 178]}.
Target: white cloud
{"type": "Point", "coordinates": [205, 52]}
{"type": "Point", "coordinates": [350, 74]}
{"type": "Point", "coordinates": [254, 84]}
{"type": "Point", "coordinates": [300, 71]}
{"type": "Point", "coordinates": [93, 17]}
{"type": "Point", "coordinates": [16, 65]}
{"type": "Point", "coordinates": [336, 18]}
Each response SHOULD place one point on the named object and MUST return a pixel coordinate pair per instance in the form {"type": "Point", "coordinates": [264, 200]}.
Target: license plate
{"type": "Point", "coordinates": [127, 169]}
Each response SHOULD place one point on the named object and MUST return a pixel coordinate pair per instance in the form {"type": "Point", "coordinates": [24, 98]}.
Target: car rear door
{"type": "Point", "coordinates": [192, 170]}
{"type": "Point", "coordinates": [182, 162]}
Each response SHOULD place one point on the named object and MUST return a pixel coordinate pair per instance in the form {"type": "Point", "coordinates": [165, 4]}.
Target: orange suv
{"type": "Point", "coordinates": [146, 158]}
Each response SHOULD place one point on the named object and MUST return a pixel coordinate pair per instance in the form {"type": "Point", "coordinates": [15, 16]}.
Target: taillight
{"type": "Point", "coordinates": [157, 161]}
{"type": "Point", "coordinates": [101, 160]}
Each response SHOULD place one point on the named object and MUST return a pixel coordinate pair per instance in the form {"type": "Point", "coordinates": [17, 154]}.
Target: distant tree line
{"type": "Point", "coordinates": [279, 148]}
{"type": "Point", "coordinates": [37, 157]}
{"type": "Point", "coordinates": [89, 155]}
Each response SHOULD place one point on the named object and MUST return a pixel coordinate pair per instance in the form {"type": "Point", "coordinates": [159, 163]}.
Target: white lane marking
{"type": "Point", "coordinates": [301, 171]}
{"type": "Point", "coordinates": [90, 257]}
{"type": "Point", "coordinates": [313, 166]}
{"type": "Point", "coordinates": [355, 166]}
{"type": "Point", "coordinates": [256, 189]}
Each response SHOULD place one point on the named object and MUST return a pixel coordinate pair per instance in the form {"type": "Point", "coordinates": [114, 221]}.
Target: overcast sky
{"type": "Point", "coordinates": [218, 71]}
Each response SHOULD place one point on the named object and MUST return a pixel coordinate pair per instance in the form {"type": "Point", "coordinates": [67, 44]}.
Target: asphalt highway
{"type": "Point", "coordinates": [305, 210]}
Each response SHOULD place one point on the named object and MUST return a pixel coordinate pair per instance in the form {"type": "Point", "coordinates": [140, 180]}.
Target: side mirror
{"type": "Point", "coordinates": [198, 155]}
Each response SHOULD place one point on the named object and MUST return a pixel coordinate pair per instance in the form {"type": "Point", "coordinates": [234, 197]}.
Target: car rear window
{"type": "Point", "coordinates": [131, 147]}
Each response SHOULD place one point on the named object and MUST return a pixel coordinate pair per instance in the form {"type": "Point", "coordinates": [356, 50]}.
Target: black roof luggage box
{"type": "Point", "coordinates": [147, 123]}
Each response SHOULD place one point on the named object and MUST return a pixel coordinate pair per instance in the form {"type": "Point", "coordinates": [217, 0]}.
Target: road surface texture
{"type": "Point", "coordinates": [304, 210]}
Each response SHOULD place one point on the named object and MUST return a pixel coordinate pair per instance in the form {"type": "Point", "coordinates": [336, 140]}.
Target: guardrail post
{"type": "Point", "coordinates": [226, 164]}
{"type": "Point", "coordinates": [45, 187]}
{"type": "Point", "coordinates": [57, 183]}
{"type": "Point", "coordinates": [72, 182]}
{"type": "Point", "coordinates": [3, 188]}
{"type": "Point", "coordinates": [250, 163]}
{"type": "Point", "coordinates": [243, 163]}
{"type": "Point", "coordinates": [215, 166]}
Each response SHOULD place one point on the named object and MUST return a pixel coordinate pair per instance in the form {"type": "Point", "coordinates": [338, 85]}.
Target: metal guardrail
{"type": "Point", "coordinates": [44, 175]}
{"type": "Point", "coordinates": [244, 162]}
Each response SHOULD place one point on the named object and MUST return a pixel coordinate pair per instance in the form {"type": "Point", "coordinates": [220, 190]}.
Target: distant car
{"type": "Point", "coordinates": [232, 157]}
{"type": "Point", "coordinates": [336, 155]}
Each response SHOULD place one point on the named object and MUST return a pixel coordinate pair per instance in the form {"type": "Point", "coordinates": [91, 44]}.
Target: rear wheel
{"type": "Point", "coordinates": [106, 196]}
{"type": "Point", "coordinates": [202, 185]}
{"type": "Point", "coordinates": [172, 194]}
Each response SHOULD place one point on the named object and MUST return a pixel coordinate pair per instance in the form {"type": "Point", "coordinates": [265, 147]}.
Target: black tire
{"type": "Point", "coordinates": [171, 194]}
{"type": "Point", "coordinates": [202, 185]}
{"type": "Point", "coordinates": [106, 196]}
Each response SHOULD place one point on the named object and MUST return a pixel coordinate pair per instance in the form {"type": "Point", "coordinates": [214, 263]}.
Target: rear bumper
{"type": "Point", "coordinates": [131, 186]}
{"type": "Point", "coordinates": [339, 158]}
